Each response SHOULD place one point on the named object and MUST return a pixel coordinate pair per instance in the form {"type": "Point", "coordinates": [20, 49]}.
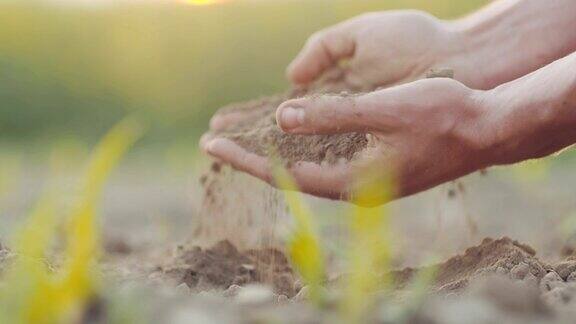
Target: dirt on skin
{"type": "Point", "coordinates": [258, 132]}
{"type": "Point", "coordinates": [223, 265]}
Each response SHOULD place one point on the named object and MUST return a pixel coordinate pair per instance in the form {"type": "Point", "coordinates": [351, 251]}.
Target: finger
{"type": "Point", "coordinates": [327, 181]}
{"type": "Point", "coordinates": [239, 158]}
{"type": "Point", "coordinates": [329, 114]}
{"type": "Point", "coordinates": [204, 140]}
{"type": "Point", "coordinates": [223, 120]}
{"type": "Point", "coordinates": [323, 50]}
{"type": "Point", "coordinates": [322, 181]}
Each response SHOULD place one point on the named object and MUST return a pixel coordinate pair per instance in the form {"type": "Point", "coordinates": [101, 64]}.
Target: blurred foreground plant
{"type": "Point", "coordinates": [369, 274]}
{"type": "Point", "coordinates": [369, 251]}
{"type": "Point", "coordinates": [32, 292]}
{"type": "Point", "coordinates": [304, 247]}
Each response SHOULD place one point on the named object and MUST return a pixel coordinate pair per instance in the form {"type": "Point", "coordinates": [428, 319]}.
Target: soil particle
{"type": "Point", "coordinates": [504, 257]}
{"type": "Point", "coordinates": [223, 267]}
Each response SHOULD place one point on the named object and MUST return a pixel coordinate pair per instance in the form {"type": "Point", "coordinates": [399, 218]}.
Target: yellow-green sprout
{"type": "Point", "coordinates": [32, 293]}
{"type": "Point", "coordinates": [304, 247]}
{"type": "Point", "coordinates": [369, 251]}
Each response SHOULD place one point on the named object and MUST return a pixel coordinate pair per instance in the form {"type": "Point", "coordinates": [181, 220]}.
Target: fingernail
{"type": "Point", "coordinates": [292, 117]}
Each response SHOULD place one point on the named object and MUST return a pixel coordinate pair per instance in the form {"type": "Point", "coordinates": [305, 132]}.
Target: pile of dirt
{"type": "Point", "coordinates": [240, 209]}
{"type": "Point", "coordinates": [504, 257]}
{"type": "Point", "coordinates": [223, 265]}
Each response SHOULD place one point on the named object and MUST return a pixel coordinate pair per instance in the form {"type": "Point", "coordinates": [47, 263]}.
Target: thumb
{"type": "Point", "coordinates": [327, 114]}
{"type": "Point", "coordinates": [322, 51]}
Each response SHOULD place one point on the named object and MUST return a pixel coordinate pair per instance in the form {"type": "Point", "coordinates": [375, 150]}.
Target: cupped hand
{"type": "Point", "coordinates": [421, 134]}
{"type": "Point", "coordinates": [378, 50]}
{"type": "Point", "coordinates": [387, 48]}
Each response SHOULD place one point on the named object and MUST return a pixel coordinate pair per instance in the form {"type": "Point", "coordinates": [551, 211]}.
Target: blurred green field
{"type": "Point", "coordinates": [71, 71]}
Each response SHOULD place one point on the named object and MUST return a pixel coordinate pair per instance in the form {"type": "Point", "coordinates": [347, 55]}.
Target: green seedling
{"type": "Point", "coordinates": [32, 292]}
{"type": "Point", "coordinates": [304, 246]}
{"type": "Point", "coordinates": [369, 251]}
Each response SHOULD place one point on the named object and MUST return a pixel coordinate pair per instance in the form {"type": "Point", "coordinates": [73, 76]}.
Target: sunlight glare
{"type": "Point", "coordinates": [203, 2]}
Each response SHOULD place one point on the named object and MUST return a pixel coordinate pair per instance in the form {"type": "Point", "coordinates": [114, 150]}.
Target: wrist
{"type": "Point", "coordinates": [511, 38]}
{"type": "Point", "coordinates": [488, 55]}
{"type": "Point", "coordinates": [530, 118]}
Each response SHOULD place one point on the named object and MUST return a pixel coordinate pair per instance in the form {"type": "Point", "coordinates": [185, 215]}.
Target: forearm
{"type": "Point", "coordinates": [511, 38]}
{"type": "Point", "coordinates": [535, 116]}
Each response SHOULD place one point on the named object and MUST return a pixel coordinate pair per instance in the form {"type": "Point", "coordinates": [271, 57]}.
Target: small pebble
{"type": "Point", "coordinates": [255, 295]}
{"type": "Point", "coordinates": [551, 281]}
{"type": "Point", "coordinates": [501, 271]}
{"type": "Point", "coordinates": [520, 271]}
{"type": "Point", "coordinates": [302, 295]}
{"type": "Point", "coordinates": [565, 268]}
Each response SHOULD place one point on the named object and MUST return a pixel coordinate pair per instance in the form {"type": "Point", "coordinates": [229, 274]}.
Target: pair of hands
{"type": "Point", "coordinates": [426, 132]}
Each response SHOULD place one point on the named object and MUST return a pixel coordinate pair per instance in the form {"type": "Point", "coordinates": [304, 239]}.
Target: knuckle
{"type": "Point", "coordinates": [447, 86]}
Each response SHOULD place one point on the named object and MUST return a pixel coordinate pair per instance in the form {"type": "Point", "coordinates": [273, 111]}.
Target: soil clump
{"type": "Point", "coordinates": [223, 265]}
{"type": "Point", "coordinates": [504, 257]}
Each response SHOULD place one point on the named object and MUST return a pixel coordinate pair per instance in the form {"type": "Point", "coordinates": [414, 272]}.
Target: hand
{"type": "Point", "coordinates": [387, 48]}
{"type": "Point", "coordinates": [423, 133]}
{"type": "Point", "coordinates": [382, 48]}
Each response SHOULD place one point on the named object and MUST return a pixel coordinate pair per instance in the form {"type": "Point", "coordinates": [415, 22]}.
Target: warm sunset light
{"type": "Point", "coordinates": [203, 2]}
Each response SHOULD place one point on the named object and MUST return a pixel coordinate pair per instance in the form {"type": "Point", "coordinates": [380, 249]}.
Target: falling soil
{"type": "Point", "coordinates": [223, 265]}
